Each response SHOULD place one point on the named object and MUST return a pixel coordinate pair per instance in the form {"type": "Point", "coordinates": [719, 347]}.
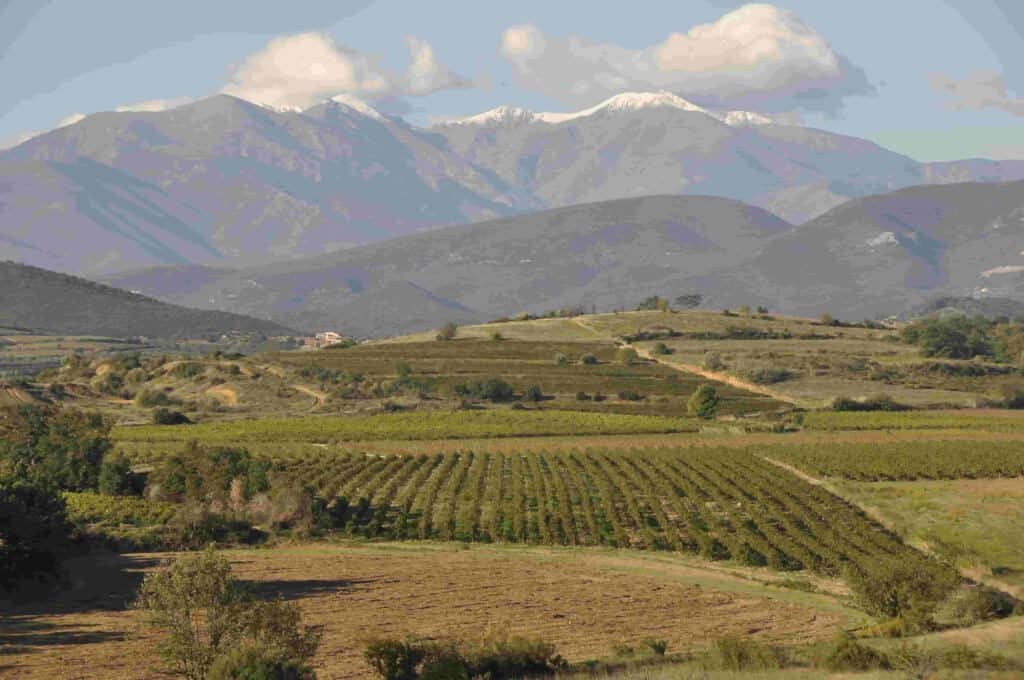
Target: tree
{"type": "Point", "coordinates": [34, 532]}
{"type": "Point", "coordinates": [704, 402]}
{"type": "Point", "coordinates": [533, 393]}
{"type": "Point", "coordinates": [448, 331]}
{"type": "Point", "coordinates": [50, 445]}
{"type": "Point", "coordinates": [204, 613]}
{"type": "Point", "coordinates": [627, 355]}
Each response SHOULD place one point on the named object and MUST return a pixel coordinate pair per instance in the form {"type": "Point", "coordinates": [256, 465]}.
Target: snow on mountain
{"type": "Point", "coordinates": [628, 101]}
{"type": "Point", "coordinates": [357, 105]}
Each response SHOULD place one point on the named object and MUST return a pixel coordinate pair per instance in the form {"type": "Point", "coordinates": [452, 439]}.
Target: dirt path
{"type": "Point", "coordinates": [319, 398]}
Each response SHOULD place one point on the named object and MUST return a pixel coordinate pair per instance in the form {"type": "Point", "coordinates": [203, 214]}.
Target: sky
{"type": "Point", "coordinates": [934, 79]}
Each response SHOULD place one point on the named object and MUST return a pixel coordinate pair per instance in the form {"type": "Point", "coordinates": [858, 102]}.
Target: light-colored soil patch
{"type": "Point", "coordinates": [225, 395]}
{"type": "Point", "coordinates": [584, 601]}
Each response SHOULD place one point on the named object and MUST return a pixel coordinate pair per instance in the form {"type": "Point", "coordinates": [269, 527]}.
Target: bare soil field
{"type": "Point", "coordinates": [583, 600]}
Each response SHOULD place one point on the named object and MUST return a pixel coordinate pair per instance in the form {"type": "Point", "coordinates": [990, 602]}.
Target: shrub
{"type": "Point", "coordinates": [848, 655]}
{"type": "Point", "coordinates": [880, 403]}
{"type": "Point", "coordinates": [496, 336]}
{"type": "Point", "coordinates": [447, 331]}
{"type": "Point", "coordinates": [742, 654]}
{"type": "Point", "coordinates": [970, 606]}
{"type": "Point", "coordinates": [395, 659]}
{"type": "Point", "coordinates": [53, 446]}
{"type": "Point", "coordinates": [165, 416]}
{"type": "Point", "coordinates": [149, 398]}
{"type": "Point", "coordinates": [491, 389]}
{"type": "Point", "coordinates": [403, 370]}
{"type": "Point", "coordinates": [34, 533]}
{"type": "Point", "coordinates": [910, 590]}
{"type": "Point", "coordinates": [561, 359]}
{"type": "Point", "coordinates": [533, 393]}
{"type": "Point", "coordinates": [713, 361]}
{"type": "Point", "coordinates": [117, 479]}
{"type": "Point", "coordinates": [582, 396]}
{"type": "Point", "coordinates": [626, 355]}
{"type": "Point", "coordinates": [588, 359]}
{"type": "Point", "coordinates": [497, 656]}
{"type": "Point", "coordinates": [704, 402]}
{"type": "Point", "coordinates": [258, 663]}
{"type": "Point", "coordinates": [187, 369]}
{"type": "Point", "coordinates": [630, 395]}
{"type": "Point", "coordinates": [661, 349]}
{"type": "Point", "coordinates": [768, 375]}
{"type": "Point", "coordinates": [202, 612]}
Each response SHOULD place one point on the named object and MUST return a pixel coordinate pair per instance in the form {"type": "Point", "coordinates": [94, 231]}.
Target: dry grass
{"type": "Point", "coordinates": [585, 601]}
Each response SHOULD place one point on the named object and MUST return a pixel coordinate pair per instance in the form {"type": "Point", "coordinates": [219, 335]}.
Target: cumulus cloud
{"type": "Point", "coordinates": [302, 70]}
{"type": "Point", "coordinates": [757, 56]}
{"type": "Point", "coordinates": [154, 105]}
{"type": "Point", "coordinates": [980, 90]}
{"type": "Point", "coordinates": [425, 74]}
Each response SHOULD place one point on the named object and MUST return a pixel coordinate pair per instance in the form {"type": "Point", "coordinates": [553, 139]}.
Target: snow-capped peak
{"type": "Point", "coordinates": [357, 105]}
{"type": "Point", "coordinates": [627, 101]}
{"type": "Point", "coordinates": [743, 118]}
{"type": "Point", "coordinates": [500, 115]}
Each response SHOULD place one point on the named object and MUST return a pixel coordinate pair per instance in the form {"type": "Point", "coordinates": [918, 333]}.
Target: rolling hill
{"type": "Point", "coordinates": [876, 256]}
{"type": "Point", "coordinates": [49, 302]}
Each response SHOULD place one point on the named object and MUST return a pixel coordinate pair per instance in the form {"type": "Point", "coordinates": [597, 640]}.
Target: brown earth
{"type": "Point", "coordinates": [584, 601]}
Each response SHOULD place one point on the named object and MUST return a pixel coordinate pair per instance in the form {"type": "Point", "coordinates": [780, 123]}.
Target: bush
{"type": "Point", "coordinates": [582, 396]}
{"type": "Point", "coordinates": [713, 361]}
{"type": "Point", "coordinates": [626, 355]}
{"type": "Point", "coordinates": [202, 613]}
{"type": "Point", "coordinates": [970, 606]}
{"type": "Point", "coordinates": [588, 359]}
{"type": "Point", "coordinates": [561, 360]}
{"type": "Point", "coordinates": [630, 395]}
{"type": "Point", "coordinates": [117, 479]}
{"type": "Point", "coordinates": [491, 389]}
{"type": "Point", "coordinates": [848, 655]}
{"type": "Point", "coordinates": [447, 331]}
{"type": "Point", "coordinates": [768, 375]}
{"type": "Point", "coordinates": [258, 663]}
{"type": "Point", "coordinates": [742, 654]}
{"type": "Point", "coordinates": [661, 349]}
{"type": "Point", "coordinates": [164, 416]}
{"type": "Point", "coordinates": [149, 398]}
{"type": "Point", "coordinates": [704, 402]}
{"type": "Point", "coordinates": [54, 447]}
{"type": "Point", "coordinates": [880, 403]}
{"type": "Point", "coordinates": [34, 533]}
{"type": "Point", "coordinates": [909, 590]}
{"type": "Point", "coordinates": [496, 336]}
{"type": "Point", "coordinates": [533, 393]}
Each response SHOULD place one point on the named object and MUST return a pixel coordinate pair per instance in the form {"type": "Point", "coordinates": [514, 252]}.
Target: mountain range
{"type": "Point", "coordinates": [870, 257]}
{"type": "Point", "coordinates": [224, 183]}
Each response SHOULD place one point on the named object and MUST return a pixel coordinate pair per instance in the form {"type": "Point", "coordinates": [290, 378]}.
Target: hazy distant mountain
{"type": "Point", "coordinates": [49, 302]}
{"type": "Point", "coordinates": [881, 254]}
{"type": "Point", "coordinates": [875, 256]}
{"type": "Point", "coordinates": [225, 183]}
{"type": "Point", "coordinates": [607, 254]}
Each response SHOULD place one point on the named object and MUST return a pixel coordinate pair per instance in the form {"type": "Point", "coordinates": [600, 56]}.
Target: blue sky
{"type": "Point", "coordinates": [935, 79]}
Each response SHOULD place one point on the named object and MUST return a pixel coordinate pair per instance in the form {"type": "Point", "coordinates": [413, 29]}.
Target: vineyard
{"type": "Point", "coordinates": [719, 503]}
{"type": "Point", "coordinates": [907, 461]}
{"type": "Point", "coordinates": [990, 421]}
{"type": "Point", "coordinates": [408, 426]}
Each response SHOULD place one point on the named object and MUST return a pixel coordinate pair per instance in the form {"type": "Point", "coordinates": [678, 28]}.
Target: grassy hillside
{"type": "Point", "coordinates": [49, 302]}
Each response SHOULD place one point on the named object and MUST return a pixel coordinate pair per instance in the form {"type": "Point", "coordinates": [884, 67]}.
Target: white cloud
{"type": "Point", "coordinates": [154, 105]}
{"type": "Point", "coordinates": [980, 90]}
{"type": "Point", "coordinates": [300, 70]}
{"type": "Point", "coordinates": [425, 74]}
{"type": "Point", "coordinates": [757, 56]}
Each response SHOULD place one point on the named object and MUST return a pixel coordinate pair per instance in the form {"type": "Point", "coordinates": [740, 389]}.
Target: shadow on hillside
{"type": "Point", "coordinates": [292, 590]}
{"type": "Point", "coordinates": [97, 582]}
{"type": "Point", "coordinates": [21, 634]}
